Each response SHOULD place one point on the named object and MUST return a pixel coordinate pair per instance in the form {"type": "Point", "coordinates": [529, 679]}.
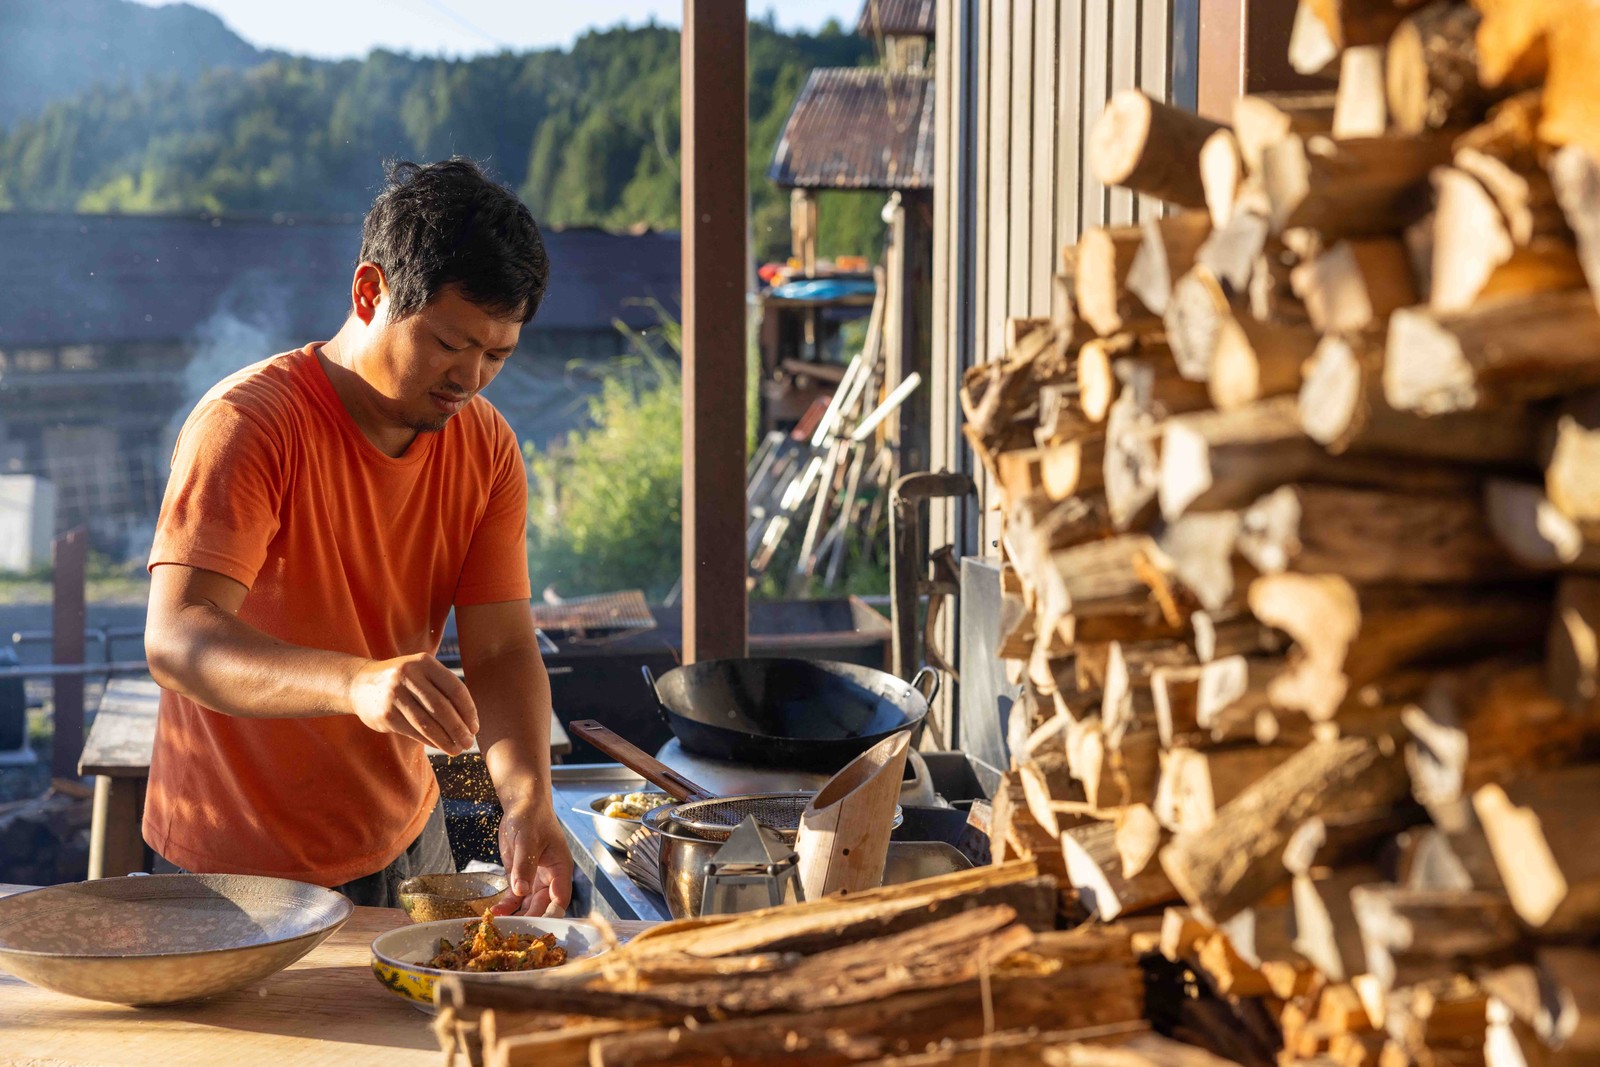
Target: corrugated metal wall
{"type": "Point", "coordinates": [1020, 84]}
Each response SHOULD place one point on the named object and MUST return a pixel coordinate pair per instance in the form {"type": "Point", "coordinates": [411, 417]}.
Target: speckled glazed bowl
{"type": "Point", "coordinates": [163, 938]}
{"type": "Point", "coordinates": [398, 957]}
{"type": "Point", "coordinates": [429, 897]}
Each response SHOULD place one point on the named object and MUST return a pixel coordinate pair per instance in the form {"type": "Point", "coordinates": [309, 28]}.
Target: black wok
{"type": "Point", "coordinates": [795, 713]}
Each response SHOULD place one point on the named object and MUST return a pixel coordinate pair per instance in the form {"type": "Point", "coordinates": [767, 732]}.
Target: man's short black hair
{"type": "Point", "coordinates": [446, 223]}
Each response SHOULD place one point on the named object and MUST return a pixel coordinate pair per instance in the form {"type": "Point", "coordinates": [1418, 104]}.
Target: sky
{"type": "Point", "coordinates": [337, 29]}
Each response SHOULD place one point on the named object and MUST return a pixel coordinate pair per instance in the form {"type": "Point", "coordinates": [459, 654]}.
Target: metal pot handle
{"type": "Point", "coordinates": [926, 674]}
{"type": "Point", "coordinates": [655, 694]}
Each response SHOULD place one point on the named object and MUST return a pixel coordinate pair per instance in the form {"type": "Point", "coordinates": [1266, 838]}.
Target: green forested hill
{"type": "Point", "coordinates": [588, 136]}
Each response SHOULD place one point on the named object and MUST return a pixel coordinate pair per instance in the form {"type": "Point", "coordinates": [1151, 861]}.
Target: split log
{"type": "Point", "coordinates": [1343, 408]}
{"type": "Point", "coordinates": [1150, 147]}
{"type": "Point", "coordinates": [1411, 936]}
{"type": "Point", "coordinates": [1511, 40]}
{"type": "Point", "coordinates": [1252, 360]}
{"type": "Point", "coordinates": [1361, 107]}
{"type": "Point", "coordinates": [1166, 252]}
{"type": "Point", "coordinates": [1432, 70]}
{"type": "Point", "coordinates": [1222, 175]}
{"type": "Point", "coordinates": [1114, 778]}
{"type": "Point", "coordinates": [1237, 859]}
{"type": "Point", "coordinates": [1506, 155]}
{"type": "Point", "coordinates": [1428, 860]}
{"type": "Point", "coordinates": [1575, 174]}
{"type": "Point", "coordinates": [1572, 87]}
{"type": "Point", "coordinates": [1198, 307]}
{"type": "Point", "coordinates": [1263, 119]}
{"type": "Point", "coordinates": [1216, 460]}
{"type": "Point", "coordinates": [1271, 295]}
{"type": "Point", "coordinates": [1573, 655]}
{"type": "Point", "coordinates": [1475, 255]}
{"type": "Point", "coordinates": [1346, 637]}
{"type": "Point", "coordinates": [1202, 547]}
{"type": "Point", "coordinates": [1232, 252]}
{"type": "Point", "coordinates": [1542, 831]}
{"type": "Point", "coordinates": [1211, 703]}
{"type": "Point", "coordinates": [1105, 255]}
{"type": "Point", "coordinates": [1108, 365]}
{"type": "Point", "coordinates": [1570, 475]}
{"type": "Point", "coordinates": [1500, 352]}
{"type": "Point", "coordinates": [1535, 532]}
{"type": "Point", "coordinates": [1139, 838]}
{"type": "Point", "coordinates": [1325, 927]}
{"type": "Point", "coordinates": [1355, 285]}
{"type": "Point", "coordinates": [1133, 465]}
{"type": "Point", "coordinates": [1369, 185]}
{"type": "Point", "coordinates": [1196, 783]}
{"type": "Point", "coordinates": [1372, 536]}
{"type": "Point", "coordinates": [1493, 723]}
{"type": "Point", "coordinates": [1094, 865]}
{"type": "Point", "coordinates": [1325, 28]}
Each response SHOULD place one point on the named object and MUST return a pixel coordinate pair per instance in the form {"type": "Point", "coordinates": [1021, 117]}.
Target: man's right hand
{"type": "Point", "coordinates": [416, 697]}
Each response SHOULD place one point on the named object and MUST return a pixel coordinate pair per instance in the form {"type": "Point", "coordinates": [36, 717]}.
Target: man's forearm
{"type": "Point", "coordinates": [214, 658]}
{"type": "Point", "coordinates": [512, 692]}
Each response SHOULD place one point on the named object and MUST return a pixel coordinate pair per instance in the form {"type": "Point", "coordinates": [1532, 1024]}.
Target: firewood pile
{"type": "Point", "coordinates": [962, 969]}
{"type": "Point", "coordinates": [1299, 495]}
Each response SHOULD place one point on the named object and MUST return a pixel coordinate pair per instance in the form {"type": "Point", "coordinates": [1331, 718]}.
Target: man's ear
{"type": "Point", "coordinates": [369, 293]}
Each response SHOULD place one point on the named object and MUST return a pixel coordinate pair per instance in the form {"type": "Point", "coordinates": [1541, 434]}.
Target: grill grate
{"type": "Point", "coordinates": [716, 819]}
{"type": "Point", "coordinates": [596, 614]}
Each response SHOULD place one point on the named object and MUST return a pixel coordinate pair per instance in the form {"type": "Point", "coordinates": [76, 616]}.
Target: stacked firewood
{"type": "Point", "coordinates": [1299, 494]}
{"type": "Point", "coordinates": [963, 969]}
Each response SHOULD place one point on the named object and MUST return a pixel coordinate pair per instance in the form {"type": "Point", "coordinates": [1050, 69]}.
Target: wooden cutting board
{"type": "Point", "coordinates": [327, 1008]}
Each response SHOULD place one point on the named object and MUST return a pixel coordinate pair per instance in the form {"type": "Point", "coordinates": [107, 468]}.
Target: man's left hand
{"type": "Point", "coordinates": [537, 862]}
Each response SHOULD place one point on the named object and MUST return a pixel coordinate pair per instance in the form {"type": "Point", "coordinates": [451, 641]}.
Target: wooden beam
{"type": "Point", "coordinates": [714, 104]}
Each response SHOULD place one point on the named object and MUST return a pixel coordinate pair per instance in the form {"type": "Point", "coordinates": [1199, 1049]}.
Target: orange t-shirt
{"type": "Point", "coordinates": [344, 548]}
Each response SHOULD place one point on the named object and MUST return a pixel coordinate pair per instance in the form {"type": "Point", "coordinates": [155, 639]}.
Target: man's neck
{"type": "Point", "coordinates": [339, 358]}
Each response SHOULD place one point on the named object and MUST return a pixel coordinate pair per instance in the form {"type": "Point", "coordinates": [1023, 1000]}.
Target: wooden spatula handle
{"type": "Point", "coordinates": [637, 759]}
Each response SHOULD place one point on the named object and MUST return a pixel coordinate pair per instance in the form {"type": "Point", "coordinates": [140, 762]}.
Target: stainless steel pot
{"type": "Point", "coordinates": [685, 855]}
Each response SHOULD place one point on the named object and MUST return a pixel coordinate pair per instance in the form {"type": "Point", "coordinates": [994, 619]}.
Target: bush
{"type": "Point", "coordinates": [605, 509]}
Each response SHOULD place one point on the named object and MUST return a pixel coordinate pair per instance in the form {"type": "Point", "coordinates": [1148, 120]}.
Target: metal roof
{"type": "Point", "coordinates": [858, 128]}
{"type": "Point", "coordinates": [110, 279]}
{"type": "Point", "coordinates": [898, 18]}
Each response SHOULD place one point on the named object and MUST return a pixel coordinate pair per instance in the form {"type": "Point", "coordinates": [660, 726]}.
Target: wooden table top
{"type": "Point", "coordinates": [325, 1009]}
{"type": "Point", "coordinates": [124, 731]}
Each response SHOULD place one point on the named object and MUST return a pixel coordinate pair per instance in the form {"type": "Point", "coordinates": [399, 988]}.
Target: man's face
{"type": "Point", "coordinates": [432, 363]}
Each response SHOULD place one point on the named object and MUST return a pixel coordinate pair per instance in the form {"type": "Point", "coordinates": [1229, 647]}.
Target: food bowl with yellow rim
{"type": "Point", "coordinates": [400, 957]}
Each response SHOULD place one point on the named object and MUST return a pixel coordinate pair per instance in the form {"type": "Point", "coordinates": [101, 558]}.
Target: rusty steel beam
{"type": "Point", "coordinates": [714, 105]}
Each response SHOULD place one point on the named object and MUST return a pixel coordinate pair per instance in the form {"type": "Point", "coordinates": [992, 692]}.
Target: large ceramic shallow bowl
{"type": "Point", "coordinates": [399, 957]}
{"type": "Point", "coordinates": [164, 938]}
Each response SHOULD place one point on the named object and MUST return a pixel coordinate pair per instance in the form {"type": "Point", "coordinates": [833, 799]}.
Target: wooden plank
{"type": "Point", "coordinates": [124, 730]}
{"type": "Point", "coordinates": [116, 843]}
{"type": "Point", "coordinates": [998, 204]}
{"type": "Point", "coordinates": [70, 555]}
{"type": "Point", "coordinates": [1020, 203]}
{"type": "Point", "coordinates": [1070, 166]}
{"type": "Point", "coordinates": [1155, 72]}
{"type": "Point", "coordinates": [1096, 61]}
{"type": "Point", "coordinates": [1124, 50]}
{"type": "Point", "coordinates": [1043, 257]}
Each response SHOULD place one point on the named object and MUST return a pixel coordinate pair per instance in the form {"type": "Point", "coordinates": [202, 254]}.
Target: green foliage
{"type": "Point", "coordinates": [605, 509]}
{"type": "Point", "coordinates": [587, 136]}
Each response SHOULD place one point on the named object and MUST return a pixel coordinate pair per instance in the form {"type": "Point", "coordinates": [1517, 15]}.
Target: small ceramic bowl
{"type": "Point", "coordinates": [399, 957]}
{"type": "Point", "coordinates": [431, 897]}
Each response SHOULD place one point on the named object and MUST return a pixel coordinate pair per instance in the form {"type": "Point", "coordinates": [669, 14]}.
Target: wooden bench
{"type": "Point", "coordinates": [117, 753]}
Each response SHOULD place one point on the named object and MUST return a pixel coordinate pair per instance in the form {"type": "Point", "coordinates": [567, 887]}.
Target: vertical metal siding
{"type": "Point", "coordinates": [1019, 86]}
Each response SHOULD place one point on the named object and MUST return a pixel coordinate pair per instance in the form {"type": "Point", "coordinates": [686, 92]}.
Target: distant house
{"type": "Point", "coordinates": [112, 326]}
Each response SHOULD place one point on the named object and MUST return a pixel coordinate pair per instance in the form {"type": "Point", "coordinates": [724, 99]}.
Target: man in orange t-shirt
{"type": "Point", "coordinates": [327, 509]}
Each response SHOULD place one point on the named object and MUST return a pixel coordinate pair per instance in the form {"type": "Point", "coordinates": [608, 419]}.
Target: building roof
{"type": "Point", "coordinates": [898, 18]}
{"type": "Point", "coordinates": [858, 128]}
{"type": "Point", "coordinates": [110, 279]}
